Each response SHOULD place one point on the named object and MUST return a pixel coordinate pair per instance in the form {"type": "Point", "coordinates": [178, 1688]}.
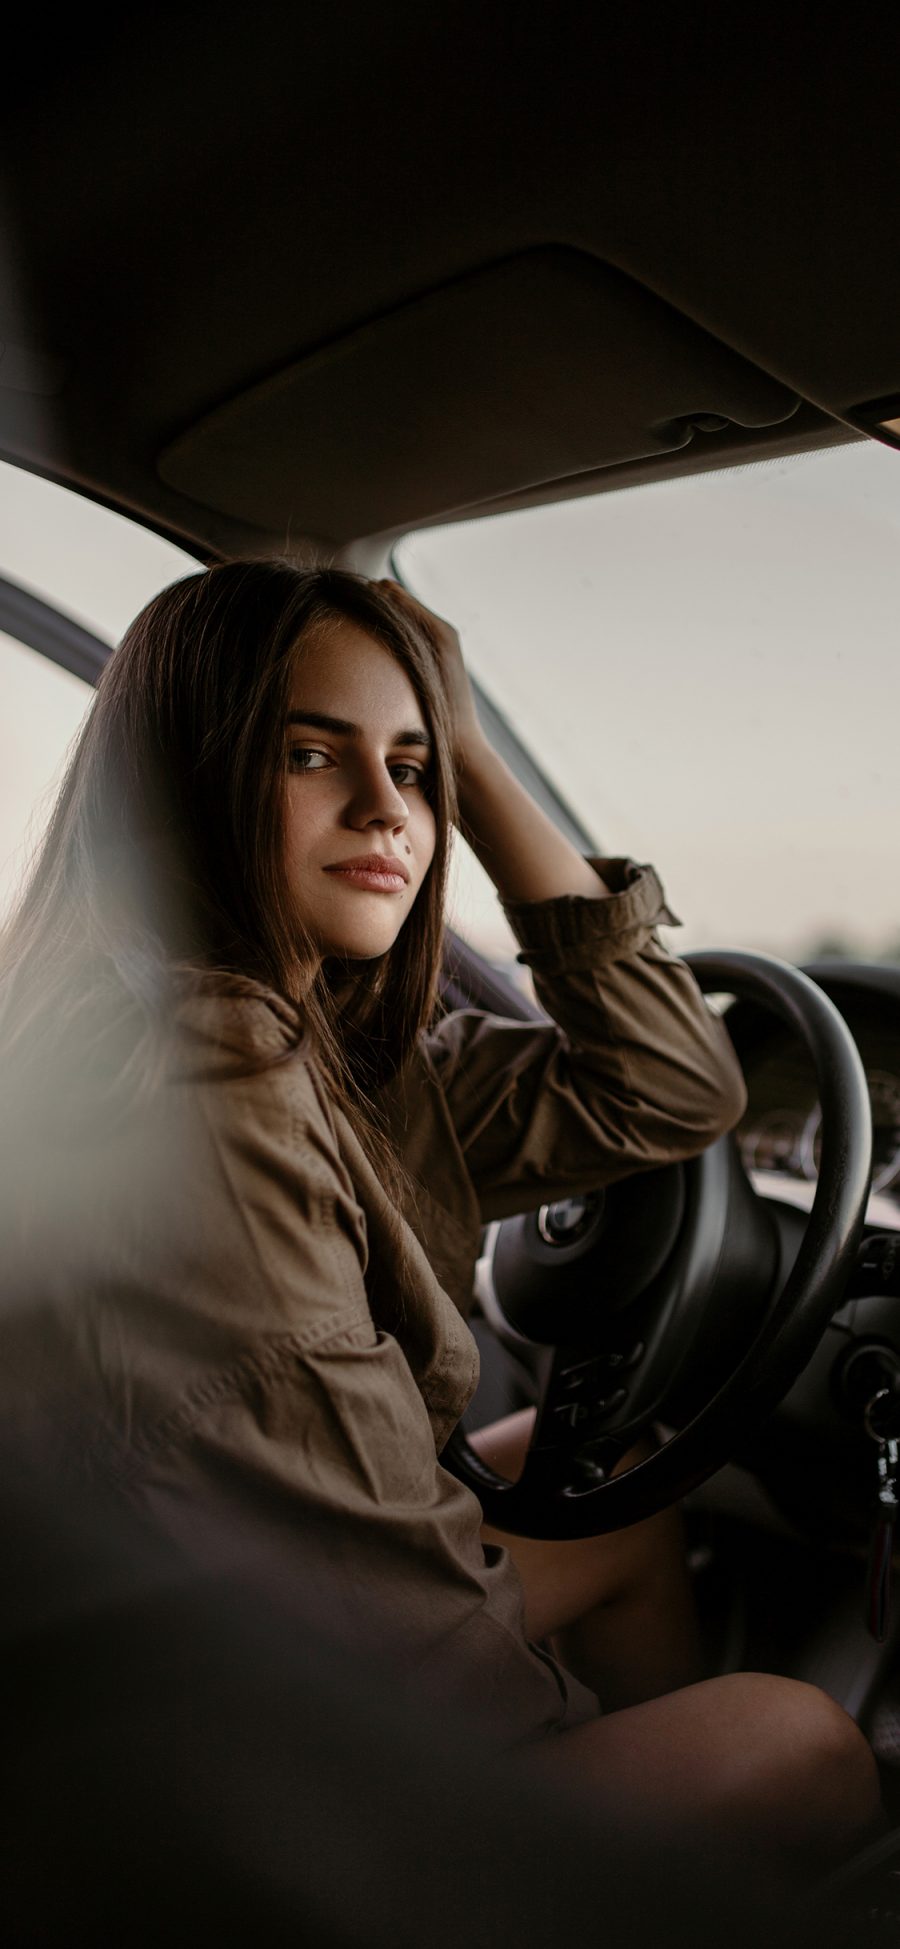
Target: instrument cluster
{"type": "Point", "coordinates": [780, 1133]}
{"type": "Point", "coordinates": [784, 1137]}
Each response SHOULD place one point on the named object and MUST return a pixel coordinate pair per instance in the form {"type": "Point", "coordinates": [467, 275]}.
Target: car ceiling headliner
{"type": "Point", "coordinates": [197, 203]}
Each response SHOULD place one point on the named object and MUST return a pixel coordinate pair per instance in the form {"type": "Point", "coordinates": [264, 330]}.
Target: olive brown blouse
{"type": "Point", "coordinates": [229, 1320]}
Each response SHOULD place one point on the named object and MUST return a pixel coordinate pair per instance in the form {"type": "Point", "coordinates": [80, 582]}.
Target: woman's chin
{"type": "Point", "coordinates": [359, 947]}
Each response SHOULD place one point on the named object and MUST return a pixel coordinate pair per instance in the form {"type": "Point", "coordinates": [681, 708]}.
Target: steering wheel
{"type": "Point", "coordinates": [675, 1288]}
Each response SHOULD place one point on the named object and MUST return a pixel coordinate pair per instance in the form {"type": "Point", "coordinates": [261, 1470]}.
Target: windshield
{"type": "Point", "coordinates": [706, 670]}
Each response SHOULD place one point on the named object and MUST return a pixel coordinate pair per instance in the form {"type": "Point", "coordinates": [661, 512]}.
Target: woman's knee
{"type": "Point", "coordinates": [812, 1765]}
{"type": "Point", "coordinates": [747, 1761]}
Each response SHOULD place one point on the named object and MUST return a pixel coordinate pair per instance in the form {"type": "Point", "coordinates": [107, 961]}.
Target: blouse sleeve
{"type": "Point", "coordinates": [633, 1071]}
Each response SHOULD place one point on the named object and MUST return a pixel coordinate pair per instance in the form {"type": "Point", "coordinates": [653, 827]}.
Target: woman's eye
{"type": "Point", "coordinates": [408, 775]}
{"type": "Point", "coordinates": [302, 758]}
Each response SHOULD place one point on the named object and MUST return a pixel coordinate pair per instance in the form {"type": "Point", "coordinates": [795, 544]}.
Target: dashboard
{"type": "Point", "coordinates": [779, 1133]}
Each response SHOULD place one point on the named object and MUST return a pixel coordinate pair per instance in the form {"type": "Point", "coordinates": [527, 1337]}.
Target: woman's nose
{"type": "Point", "coordinates": [377, 801]}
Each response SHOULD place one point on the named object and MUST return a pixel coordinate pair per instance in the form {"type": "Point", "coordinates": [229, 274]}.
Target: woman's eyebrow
{"type": "Point", "coordinates": [341, 726]}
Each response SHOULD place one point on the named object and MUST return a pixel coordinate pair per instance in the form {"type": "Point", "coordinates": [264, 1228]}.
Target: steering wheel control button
{"type": "Point", "coordinates": [582, 1372]}
{"type": "Point", "coordinates": [611, 1403]}
{"type": "Point", "coordinates": [574, 1411]}
{"type": "Point", "coordinates": [567, 1221]}
{"type": "Point", "coordinates": [629, 1358]}
{"type": "Point", "coordinates": [587, 1475]}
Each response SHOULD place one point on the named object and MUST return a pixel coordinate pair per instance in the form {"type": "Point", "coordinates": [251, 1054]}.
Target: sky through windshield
{"type": "Point", "coordinates": [708, 671]}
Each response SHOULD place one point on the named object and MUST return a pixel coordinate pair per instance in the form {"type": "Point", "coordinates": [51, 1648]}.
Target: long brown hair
{"type": "Point", "coordinates": [164, 862]}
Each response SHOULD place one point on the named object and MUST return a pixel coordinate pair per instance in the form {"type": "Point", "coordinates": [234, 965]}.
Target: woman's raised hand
{"type": "Point", "coordinates": [468, 737]}
{"type": "Point", "coordinates": [524, 853]}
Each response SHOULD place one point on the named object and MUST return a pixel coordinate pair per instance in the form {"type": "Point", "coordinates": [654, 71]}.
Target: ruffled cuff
{"type": "Point", "coordinates": [577, 932]}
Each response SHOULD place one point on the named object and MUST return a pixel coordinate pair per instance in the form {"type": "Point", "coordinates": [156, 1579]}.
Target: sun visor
{"type": "Point", "coordinates": [532, 370]}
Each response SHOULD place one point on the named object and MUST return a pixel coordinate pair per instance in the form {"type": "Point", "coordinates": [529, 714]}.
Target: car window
{"type": "Point", "coordinates": [706, 669]}
{"type": "Point", "coordinates": [94, 567]}
{"type": "Point", "coordinates": [42, 709]}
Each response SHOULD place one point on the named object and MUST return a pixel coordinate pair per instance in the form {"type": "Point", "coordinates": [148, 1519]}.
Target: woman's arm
{"type": "Point", "coordinates": [524, 853]}
{"type": "Point", "coordinates": [519, 847]}
{"type": "Point", "coordinates": [634, 1070]}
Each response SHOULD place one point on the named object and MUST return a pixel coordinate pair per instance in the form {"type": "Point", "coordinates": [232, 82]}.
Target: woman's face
{"type": "Point", "coordinates": [360, 830]}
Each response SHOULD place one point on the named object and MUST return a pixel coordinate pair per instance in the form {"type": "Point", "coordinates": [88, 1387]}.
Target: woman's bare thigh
{"type": "Point", "coordinates": [564, 1581]}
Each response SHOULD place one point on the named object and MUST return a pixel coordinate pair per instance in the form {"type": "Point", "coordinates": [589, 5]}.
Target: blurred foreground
{"type": "Point", "coordinates": [189, 1759]}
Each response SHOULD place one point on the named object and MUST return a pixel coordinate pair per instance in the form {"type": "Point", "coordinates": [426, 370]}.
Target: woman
{"type": "Point", "coordinates": [245, 1169]}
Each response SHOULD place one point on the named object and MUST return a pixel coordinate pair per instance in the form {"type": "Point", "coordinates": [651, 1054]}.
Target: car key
{"type": "Point", "coordinates": [882, 1423]}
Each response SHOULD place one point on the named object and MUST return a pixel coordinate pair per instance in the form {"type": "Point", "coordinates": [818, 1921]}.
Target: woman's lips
{"type": "Point", "coordinates": [374, 873]}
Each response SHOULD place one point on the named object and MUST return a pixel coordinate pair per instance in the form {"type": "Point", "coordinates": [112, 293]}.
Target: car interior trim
{"type": "Point", "coordinates": [52, 634]}
{"type": "Point", "coordinates": [527, 357]}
